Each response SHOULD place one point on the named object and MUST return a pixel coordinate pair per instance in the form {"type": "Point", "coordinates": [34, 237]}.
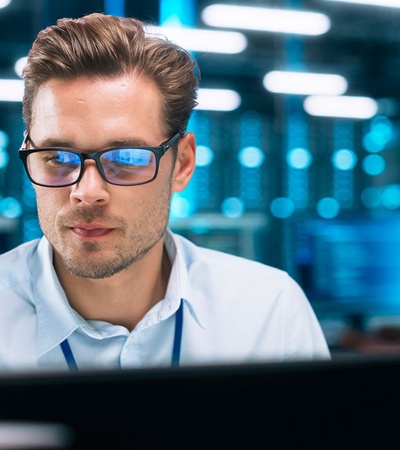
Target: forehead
{"type": "Point", "coordinates": [89, 109]}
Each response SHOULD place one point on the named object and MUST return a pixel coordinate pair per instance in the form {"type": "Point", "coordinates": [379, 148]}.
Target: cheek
{"type": "Point", "coordinates": [49, 201]}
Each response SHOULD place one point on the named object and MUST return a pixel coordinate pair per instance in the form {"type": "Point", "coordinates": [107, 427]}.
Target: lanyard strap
{"type": "Point", "coordinates": [69, 356]}
{"type": "Point", "coordinates": [176, 349]}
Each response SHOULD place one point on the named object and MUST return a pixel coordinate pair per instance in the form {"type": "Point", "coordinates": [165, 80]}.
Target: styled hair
{"type": "Point", "coordinates": [99, 45]}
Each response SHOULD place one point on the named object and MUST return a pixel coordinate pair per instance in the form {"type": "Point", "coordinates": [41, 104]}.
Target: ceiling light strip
{"type": "Point", "coordinates": [197, 40]}
{"type": "Point", "coordinates": [341, 106]}
{"type": "Point", "coordinates": [304, 83]}
{"type": "Point", "coordinates": [266, 19]}
{"type": "Point", "coordinates": [385, 3]}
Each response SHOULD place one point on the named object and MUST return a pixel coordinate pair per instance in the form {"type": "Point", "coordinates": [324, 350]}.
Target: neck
{"type": "Point", "coordinates": [124, 298]}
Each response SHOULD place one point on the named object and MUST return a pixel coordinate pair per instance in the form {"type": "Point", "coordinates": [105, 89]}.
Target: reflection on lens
{"type": "Point", "coordinates": [54, 167]}
{"type": "Point", "coordinates": [128, 157]}
{"type": "Point", "coordinates": [128, 166]}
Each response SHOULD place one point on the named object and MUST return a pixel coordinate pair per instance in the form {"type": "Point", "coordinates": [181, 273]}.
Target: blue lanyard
{"type": "Point", "coordinates": [176, 349]}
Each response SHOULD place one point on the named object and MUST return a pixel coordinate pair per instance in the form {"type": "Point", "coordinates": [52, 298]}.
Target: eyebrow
{"type": "Point", "coordinates": [60, 143]}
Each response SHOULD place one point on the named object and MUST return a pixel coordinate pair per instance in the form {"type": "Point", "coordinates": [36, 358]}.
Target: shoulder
{"type": "Point", "coordinates": [19, 253]}
{"type": "Point", "coordinates": [226, 267]}
{"type": "Point", "coordinates": [15, 264]}
{"type": "Point", "coordinates": [246, 303]}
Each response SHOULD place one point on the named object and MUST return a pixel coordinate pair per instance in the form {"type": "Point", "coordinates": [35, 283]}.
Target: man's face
{"type": "Point", "coordinates": [98, 229]}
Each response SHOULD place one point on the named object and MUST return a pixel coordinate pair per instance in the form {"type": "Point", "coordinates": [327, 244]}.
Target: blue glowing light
{"type": "Point", "coordinates": [381, 132]}
{"type": "Point", "coordinates": [371, 197]}
{"type": "Point", "coordinates": [344, 159]}
{"type": "Point", "coordinates": [114, 7]}
{"type": "Point", "coordinates": [328, 208]}
{"type": "Point", "coordinates": [204, 156]}
{"type": "Point", "coordinates": [282, 207]}
{"type": "Point", "coordinates": [175, 12]}
{"type": "Point", "coordinates": [391, 196]}
{"type": "Point", "coordinates": [373, 164]}
{"type": "Point", "coordinates": [180, 207]}
{"type": "Point", "coordinates": [251, 157]}
{"type": "Point", "coordinates": [383, 125]}
{"type": "Point", "coordinates": [299, 158]}
{"type": "Point", "coordinates": [10, 208]}
{"type": "Point", "coordinates": [4, 158]}
{"type": "Point", "coordinates": [200, 225]}
{"type": "Point", "coordinates": [233, 207]}
{"type": "Point", "coordinates": [374, 142]}
{"type": "Point", "coordinates": [4, 139]}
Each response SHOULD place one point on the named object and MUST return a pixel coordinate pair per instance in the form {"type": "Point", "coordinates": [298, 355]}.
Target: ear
{"type": "Point", "coordinates": [185, 162]}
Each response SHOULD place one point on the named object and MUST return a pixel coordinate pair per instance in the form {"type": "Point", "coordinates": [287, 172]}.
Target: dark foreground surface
{"type": "Point", "coordinates": [342, 403]}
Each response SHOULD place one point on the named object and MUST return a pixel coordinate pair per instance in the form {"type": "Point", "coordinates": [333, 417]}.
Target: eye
{"type": "Point", "coordinates": [128, 157]}
{"type": "Point", "coordinates": [60, 157]}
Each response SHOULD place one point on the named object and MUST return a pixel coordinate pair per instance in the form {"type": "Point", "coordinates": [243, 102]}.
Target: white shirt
{"type": "Point", "coordinates": [234, 311]}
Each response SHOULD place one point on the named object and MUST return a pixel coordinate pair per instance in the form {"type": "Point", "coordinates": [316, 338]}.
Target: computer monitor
{"type": "Point", "coordinates": [312, 404]}
{"type": "Point", "coordinates": [350, 266]}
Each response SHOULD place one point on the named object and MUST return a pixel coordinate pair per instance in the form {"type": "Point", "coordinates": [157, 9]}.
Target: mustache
{"type": "Point", "coordinates": [92, 214]}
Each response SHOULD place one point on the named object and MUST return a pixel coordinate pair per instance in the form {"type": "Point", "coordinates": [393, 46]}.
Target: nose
{"type": "Point", "coordinates": [91, 188]}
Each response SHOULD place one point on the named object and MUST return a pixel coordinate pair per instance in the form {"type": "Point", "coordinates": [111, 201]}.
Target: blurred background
{"type": "Point", "coordinates": [297, 128]}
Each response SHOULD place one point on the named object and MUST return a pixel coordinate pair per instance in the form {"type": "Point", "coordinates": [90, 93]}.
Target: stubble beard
{"type": "Point", "coordinates": [95, 266]}
{"type": "Point", "coordinates": [89, 261]}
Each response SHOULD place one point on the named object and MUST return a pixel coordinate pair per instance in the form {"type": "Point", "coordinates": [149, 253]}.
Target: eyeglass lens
{"type": "Point", "coordinates": [120, 166]}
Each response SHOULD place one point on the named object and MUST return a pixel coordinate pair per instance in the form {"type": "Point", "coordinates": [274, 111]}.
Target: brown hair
{"type": "Point", "coordinates": [99, 45]}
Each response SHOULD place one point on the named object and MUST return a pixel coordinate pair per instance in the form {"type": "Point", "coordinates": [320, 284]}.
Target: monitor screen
{"type": "Point", "coordinates": [350, 265]}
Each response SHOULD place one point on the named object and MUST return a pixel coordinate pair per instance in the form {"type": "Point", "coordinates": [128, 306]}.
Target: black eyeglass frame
{"type": "Point", "coordinates": [158, 152]}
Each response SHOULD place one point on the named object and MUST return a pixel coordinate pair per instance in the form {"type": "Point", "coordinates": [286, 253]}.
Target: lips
{"type": "Point", "coordinates": [90, 231]}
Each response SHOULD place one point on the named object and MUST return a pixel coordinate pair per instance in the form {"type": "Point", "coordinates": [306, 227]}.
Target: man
{"type": "Point", "coordinates": [106, 107]}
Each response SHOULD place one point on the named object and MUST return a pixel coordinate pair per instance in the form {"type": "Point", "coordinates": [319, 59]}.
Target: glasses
{"type": "Point", "coordinates": [122, 166]}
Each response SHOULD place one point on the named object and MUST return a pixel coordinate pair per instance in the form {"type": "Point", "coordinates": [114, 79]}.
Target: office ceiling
{"type": "Point", "coordinates": [363, 44]}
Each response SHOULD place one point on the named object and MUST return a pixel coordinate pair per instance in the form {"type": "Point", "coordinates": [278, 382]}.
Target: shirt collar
{"type": "Point", "coordinates": [179, 287]}
{"type": "Point", "coordinates": [56, 318]}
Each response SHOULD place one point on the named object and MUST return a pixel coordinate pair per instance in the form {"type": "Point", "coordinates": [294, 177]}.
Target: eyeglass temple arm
{"type": "Point", "coordinates": [25, 142]}
{"type": "Point", "coordinates": [171, 142]}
